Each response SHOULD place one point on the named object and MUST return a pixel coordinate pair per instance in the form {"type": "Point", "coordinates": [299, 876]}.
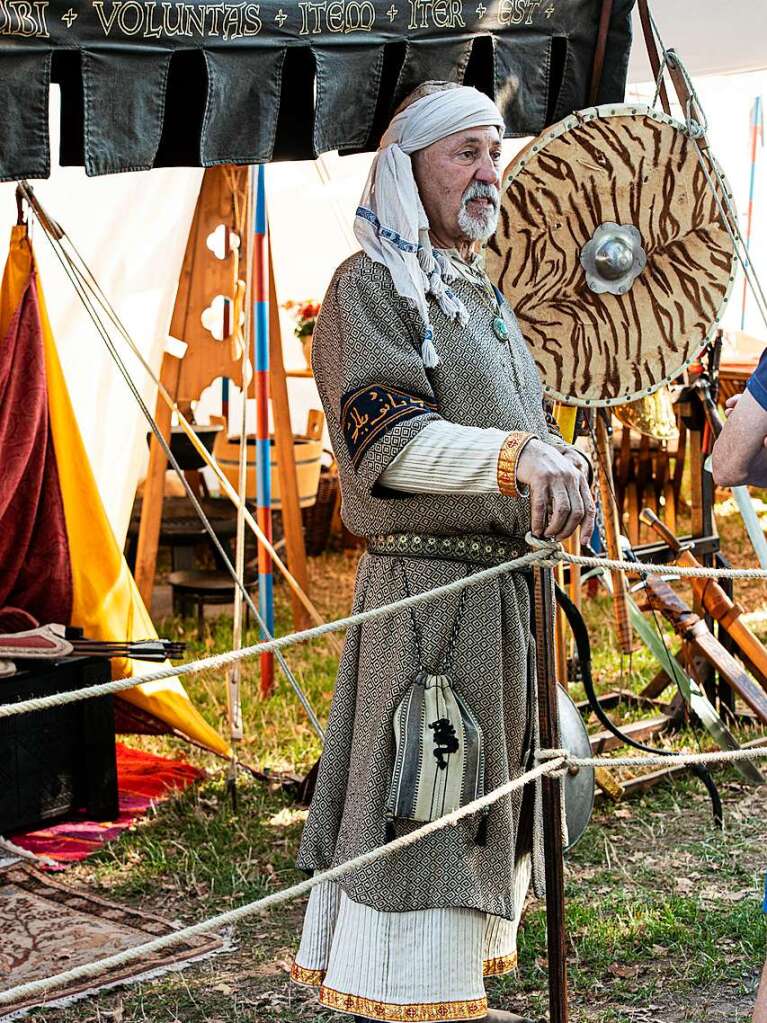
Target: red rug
{"type": "Point", "coordinates": [142, 779]}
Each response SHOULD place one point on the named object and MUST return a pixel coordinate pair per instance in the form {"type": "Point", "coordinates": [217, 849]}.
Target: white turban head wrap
{"type": "Point", "coordinates": [391, 223]}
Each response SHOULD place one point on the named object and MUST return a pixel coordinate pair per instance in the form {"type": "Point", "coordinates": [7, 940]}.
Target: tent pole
{"type": "Point", "coordinates": [757, 132]}
{"type": "Point", "coordinates": [154, 489]}
{"type": "Point", "coordinates": [260, 274]}
{"type": "Point", "coordinates": [242, 335]}
{"type": "Point", "coordinates": [286, 457]}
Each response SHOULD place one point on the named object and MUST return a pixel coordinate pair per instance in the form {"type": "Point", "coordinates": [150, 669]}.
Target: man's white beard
{"type": "Point", "coordinates": [479, 227]}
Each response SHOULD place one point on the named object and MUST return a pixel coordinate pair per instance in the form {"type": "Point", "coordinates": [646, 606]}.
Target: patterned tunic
{"type": "Point", "coordinates": [377, 396]}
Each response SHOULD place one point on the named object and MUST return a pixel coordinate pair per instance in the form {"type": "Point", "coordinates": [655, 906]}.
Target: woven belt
{"type": "Point", "coordinates": [475, 549]}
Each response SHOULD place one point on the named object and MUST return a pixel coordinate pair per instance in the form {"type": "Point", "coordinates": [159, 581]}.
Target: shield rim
{"type": "Point", "coordinates": [585, 774]}
{"type": "Point", "coordinates": [604, 112]}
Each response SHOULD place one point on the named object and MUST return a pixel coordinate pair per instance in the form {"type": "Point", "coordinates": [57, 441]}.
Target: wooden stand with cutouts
{"type": "Point", "coordinates": [208, 291]}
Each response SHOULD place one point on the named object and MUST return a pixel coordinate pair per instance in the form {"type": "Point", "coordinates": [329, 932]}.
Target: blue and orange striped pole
{"type": "Point", "coordinates": [263, 452]}
{"type": "Point", "coordinates": [757, 132]}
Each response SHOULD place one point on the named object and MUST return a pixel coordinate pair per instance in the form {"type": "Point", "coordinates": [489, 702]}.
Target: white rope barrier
{"type": "Point", "coordinates": [642, 568]}
{"type": "Point", "coordinates": [233, 916]}
{"type": "Point", "coordinates": [553, 763]}
{"type": "Point", "coordinates": [545, 553]}
{"type": "Point", "coordinates": [230, 656]}
{"type": "Point", "coordinates": [650, 759]}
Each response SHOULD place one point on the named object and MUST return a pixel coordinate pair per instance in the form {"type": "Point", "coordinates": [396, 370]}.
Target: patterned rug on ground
{"type": "Point", "coordinates": [48, 928]}
{"type": "Point", "coordinates": [142, 779]}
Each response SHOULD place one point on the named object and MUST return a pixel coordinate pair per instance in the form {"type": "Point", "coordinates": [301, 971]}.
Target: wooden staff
{"type": "Point", "coordinates": [715, 601]}
{"type": "Point", "coordinates": [612, 534]}
{"type": "Point", "coordinates": [552, 796]}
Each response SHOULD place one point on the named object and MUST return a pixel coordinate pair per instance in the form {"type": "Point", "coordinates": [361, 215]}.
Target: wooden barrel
{"type": "Point", "coordinates": [306, 451]}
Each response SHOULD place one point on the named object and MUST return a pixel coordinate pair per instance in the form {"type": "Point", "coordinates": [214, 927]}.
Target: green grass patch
{"type": "Point", "coordinates": [662, 910]}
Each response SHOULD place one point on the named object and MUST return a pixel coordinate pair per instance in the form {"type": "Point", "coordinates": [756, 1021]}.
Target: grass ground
{"type": "Point", "coordinates": [663, 911]}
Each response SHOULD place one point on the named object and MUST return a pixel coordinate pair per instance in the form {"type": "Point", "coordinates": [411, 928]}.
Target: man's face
{"type": "Point", "coordinates": [458, 179]}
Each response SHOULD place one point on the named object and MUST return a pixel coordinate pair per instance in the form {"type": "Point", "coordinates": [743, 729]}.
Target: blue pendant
{"type": "Point", "coordinates": [500, 328]}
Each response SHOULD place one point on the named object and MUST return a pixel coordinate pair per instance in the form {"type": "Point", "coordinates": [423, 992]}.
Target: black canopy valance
{"type": "Point", "coordinates": [151, 83]}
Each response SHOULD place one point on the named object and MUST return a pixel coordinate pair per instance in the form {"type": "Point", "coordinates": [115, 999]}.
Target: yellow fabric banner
{"type": "Point", "coordinates": [566, 416]}
{"type": "Point", "coordinates": [105, 601]}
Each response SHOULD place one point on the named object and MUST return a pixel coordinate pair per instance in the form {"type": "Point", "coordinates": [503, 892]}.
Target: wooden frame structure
{"type": "Point", "coordinates": [204, 277]}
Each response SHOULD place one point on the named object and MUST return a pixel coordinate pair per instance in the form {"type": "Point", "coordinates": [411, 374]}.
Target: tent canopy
{"type": "Point", "coordinates": [148, 84]}
{"type": "Point", "coordinates": [711, 38]}
{"type": "Point", "coordinates": [61, 560]}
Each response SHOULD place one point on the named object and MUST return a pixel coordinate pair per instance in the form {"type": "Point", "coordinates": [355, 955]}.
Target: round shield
{"type": "Point", "coordinates": [579, 787]}
{"type": "Point", "coordinates": [611, 251]}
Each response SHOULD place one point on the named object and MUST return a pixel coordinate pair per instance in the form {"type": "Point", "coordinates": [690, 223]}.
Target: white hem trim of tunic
{"type": "Point", "coordinates": [412, 967]}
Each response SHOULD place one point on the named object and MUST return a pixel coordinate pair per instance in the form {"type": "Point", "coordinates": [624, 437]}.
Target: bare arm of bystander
{"type": "Point", "coordinates": [740, 455]}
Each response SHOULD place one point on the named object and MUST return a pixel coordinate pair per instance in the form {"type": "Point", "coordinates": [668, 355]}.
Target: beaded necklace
{"type": "Point", "coordinates": [475, 274]}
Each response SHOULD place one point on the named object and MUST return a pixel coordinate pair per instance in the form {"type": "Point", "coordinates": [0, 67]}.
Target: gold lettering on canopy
{"type": "Point", "coordinates": [336, 16]}
{"type": "Point", "coordinates": [517, 12]}
{"type": "Point", "coordinates": [156, 19]}
{"type": "Point", "coordinates": [151, 20]}
{"type": "Point", "coordinates": [22, 18]}
{"type": "Point", "coordinates": [439, 13]}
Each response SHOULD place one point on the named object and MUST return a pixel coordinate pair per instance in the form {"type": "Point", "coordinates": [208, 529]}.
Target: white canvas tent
{"type": "Point", "coordinates": [132, 229]}
{"type": "Point", "coordinates": [713, 37]}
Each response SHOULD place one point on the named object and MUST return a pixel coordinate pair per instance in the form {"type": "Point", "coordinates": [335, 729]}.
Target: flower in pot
{"type": "Point", "coordinates": [305, 314]}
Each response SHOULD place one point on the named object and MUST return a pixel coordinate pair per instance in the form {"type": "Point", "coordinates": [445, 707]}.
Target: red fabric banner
{"type": "Point", "coordinates": [34, 555]}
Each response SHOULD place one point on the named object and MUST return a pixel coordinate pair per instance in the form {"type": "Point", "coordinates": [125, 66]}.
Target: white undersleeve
{"type": "Point", "coordinates": [447, 458]}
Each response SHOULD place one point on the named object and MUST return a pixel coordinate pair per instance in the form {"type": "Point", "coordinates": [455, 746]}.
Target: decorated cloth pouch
{"type": "Point", "coordinates": [439, 762]}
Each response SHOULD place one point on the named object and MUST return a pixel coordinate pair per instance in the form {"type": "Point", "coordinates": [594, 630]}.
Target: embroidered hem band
{"type": "Point", "coordinates": [425, 1012]}
{"type": "Point", "coordinates": [496, 967]}
{"type": "Point", "coordinates": [500, 965]}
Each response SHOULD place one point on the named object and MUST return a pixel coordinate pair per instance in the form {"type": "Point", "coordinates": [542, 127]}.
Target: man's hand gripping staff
{"type": "Point", "coordinates": [557, 483]}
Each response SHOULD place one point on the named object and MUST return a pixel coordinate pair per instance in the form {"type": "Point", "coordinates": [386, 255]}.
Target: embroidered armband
{"type": "Point", "coordinates": [369, 413]}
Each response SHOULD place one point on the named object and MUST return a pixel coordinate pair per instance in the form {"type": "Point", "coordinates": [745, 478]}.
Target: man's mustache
{"type": "Point", "coordinates": [481, 191]}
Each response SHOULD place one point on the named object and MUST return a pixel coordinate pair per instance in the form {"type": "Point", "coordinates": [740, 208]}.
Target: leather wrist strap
{"type": "Point", "coordinates": [652, 52]}
{"type": "Point", "coordinates": [508, 459]}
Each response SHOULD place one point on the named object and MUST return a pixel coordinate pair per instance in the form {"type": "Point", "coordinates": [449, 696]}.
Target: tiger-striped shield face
{"type": "Point", "coordinates": [625, 166]}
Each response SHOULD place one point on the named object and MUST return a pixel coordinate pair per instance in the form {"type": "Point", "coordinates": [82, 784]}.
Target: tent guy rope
{"type": "Point", "coordinates": [81, 288]}
{"type": "Point", "coordinates": [89, 291]}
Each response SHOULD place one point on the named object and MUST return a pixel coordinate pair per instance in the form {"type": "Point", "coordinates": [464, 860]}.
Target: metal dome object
{"type": "Point", "coordinates": [613, 258]}
{"type": "Point", "coordinates": [579, 785]}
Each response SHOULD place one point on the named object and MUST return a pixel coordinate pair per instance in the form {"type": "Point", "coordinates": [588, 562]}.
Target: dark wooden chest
{"type": "Point", "coordinates": [62, 759]}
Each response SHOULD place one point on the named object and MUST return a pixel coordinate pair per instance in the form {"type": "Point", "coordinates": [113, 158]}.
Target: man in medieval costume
{"type": "Point", "coordinates": [446, 460]}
